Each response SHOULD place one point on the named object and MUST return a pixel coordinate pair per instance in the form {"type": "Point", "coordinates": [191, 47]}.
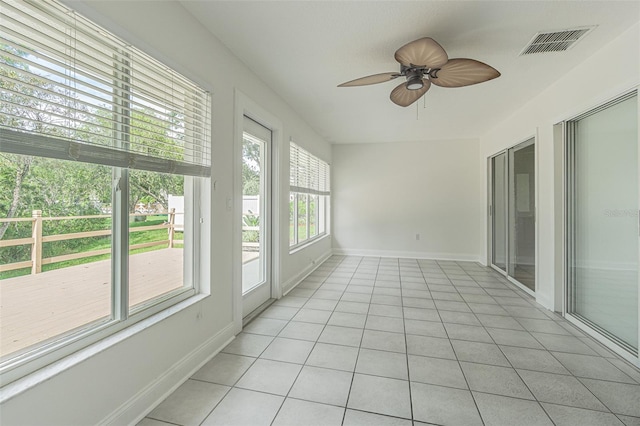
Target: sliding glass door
{"type": "Point", "coordinates": [522, 214]}
{"type": "Point", "coordinates": [513, 213]}
{"type": "Point", "coordinates": [602, 220]}
{"type": "Point", "coordinates": [499, 211]}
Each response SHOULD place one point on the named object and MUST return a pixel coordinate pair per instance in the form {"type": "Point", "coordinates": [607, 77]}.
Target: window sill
{"type": "Point", "coordinates": [307, 243]}
{"type": "Point", "coordinates": [29, 381]}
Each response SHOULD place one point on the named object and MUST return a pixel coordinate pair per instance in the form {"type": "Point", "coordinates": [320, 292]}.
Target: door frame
{"type": "Point", "coordinates": [505, 151]}
{"type": "Point", "coordinates": [245, 106]}
{"type": "Point", "coordinates": [491, 211]}
{"type": "Point", "coordinates": [567, 167]}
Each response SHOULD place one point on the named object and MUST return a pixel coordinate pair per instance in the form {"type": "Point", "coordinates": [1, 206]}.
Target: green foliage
{"type": "Point", "coordinates": [250, 168]}
{"type": "Point", "coordinates": [250, 236]}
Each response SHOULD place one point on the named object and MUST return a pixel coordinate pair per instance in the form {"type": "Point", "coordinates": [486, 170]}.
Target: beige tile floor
{"type": "Point", "coordinates": [370, 341]}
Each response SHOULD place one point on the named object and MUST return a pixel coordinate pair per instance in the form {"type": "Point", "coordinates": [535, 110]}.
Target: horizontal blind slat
{"type": "Point", "coordinates": [307, 173]}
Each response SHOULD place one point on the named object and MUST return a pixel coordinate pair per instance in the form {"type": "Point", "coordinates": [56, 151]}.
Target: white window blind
{"type": "Point", "coordinates": [73, 91]}
{"type": "Point", "coordinates": [307, 173]}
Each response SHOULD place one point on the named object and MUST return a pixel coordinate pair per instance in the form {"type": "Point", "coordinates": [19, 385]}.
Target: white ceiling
{"type": "Point", "coordinates": [304, 49]}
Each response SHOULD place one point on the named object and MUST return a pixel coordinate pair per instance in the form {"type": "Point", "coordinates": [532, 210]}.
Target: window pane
{"type": "Point", "coordinates": [62, 281]}
{"type": "Point", "coordinates": [292, 219]}
{"type": "Point", "coordinates": [302, 217]}
{"type": "Point", "coordinates": [254, 209]}
{"type": "Point", "coordinates": [322, 214]}
{"type": "Point", "coordinates": [313, 215]}
{"type": "Point", "coordinates": [157, 235]}
{"type": "Point", "coordinates": [522, 218]}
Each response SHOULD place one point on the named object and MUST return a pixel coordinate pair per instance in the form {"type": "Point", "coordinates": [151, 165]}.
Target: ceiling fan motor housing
{"type": "Point", "coordinates": [414, 79]}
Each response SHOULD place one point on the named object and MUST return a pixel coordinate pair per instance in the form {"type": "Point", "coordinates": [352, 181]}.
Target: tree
{"type": "Point", "coordinates": [156, 135]}
{"type": "Point", "coordinates": [20, 167]}
{"type": "Point", "coordinates": [250, 168]}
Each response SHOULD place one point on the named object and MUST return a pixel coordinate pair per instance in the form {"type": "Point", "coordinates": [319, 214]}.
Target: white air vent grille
{"type": "Point", "coordinates": [557, 41]}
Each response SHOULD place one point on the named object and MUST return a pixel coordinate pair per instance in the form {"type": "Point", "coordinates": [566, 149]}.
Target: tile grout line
{"type": "Point", "coordinates": [355, 367]}
{"type": "Point", "coordinates": [512, 367]}
{"type": "Point", "coordinates": [262, 352]}
{"type": "Point", "coordinates": [258, 357]}
{"type": "Point", "coordinates": [551, 354]}
{"type": "Point", "coordinates": [475, 403]}
{"type": "Point", "coordinates": [406, 343]}
{"type": "Point", "coordinates": [314, 344]}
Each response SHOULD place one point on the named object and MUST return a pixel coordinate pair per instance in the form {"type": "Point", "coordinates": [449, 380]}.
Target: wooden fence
{"type": "Point", "coordinates": [37, 239]}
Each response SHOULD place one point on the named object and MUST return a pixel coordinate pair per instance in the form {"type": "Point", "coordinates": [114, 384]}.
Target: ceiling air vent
{"type": "Point", "coordinates": [557, 41]}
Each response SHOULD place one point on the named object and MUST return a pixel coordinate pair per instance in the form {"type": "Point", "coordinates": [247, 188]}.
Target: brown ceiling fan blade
{"type": "Point", "coordinates": [371, 79]}
{"type": "Point", "coordinates": [461, 72]}
{"type": "Point", "coordinates": [422, 52]}
{"type": "Point", "coordinates": [405, 97]}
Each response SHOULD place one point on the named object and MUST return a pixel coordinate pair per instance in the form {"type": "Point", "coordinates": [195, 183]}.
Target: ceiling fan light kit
{"type": "Point", "coordinates": [423, 62]}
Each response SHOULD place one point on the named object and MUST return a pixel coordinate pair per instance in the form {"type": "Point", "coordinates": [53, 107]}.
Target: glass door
{"type": "Point", "coordinates": [513, 214]}
{"type": "Point", "coordinates": [256, 215]}
{"type": "Point", "coordinates": [602, 221]}
{"type": "Point", "coordinates": [522, 214]}
{"type": "Point", "coordinates": [498, 211]}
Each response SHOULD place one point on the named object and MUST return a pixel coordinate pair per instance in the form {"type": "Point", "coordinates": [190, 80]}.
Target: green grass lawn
{"type": "Point", "coordinates": [302, 231]}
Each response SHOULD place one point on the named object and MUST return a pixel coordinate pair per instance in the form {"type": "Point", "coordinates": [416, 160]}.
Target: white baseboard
{"type": "Point", "coordinates": [138, 406]}
{"type": "Point", "coordinates": [291, 283]}
{"type": "Point", "coordinates": [408, 254]}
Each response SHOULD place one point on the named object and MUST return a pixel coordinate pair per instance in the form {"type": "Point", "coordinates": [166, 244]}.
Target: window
{"type": "Point", "coordinates": [104, 160]}
{"type": "Point", "coordinates": [309, 186]}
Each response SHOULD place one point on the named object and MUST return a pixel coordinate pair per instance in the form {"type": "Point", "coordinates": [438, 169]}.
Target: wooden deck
{"type": "Point", "coordinates": [36, 307]}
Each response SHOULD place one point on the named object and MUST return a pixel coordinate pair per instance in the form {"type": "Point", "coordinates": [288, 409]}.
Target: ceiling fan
{"type": "Point", "coordinates": [423, 62]}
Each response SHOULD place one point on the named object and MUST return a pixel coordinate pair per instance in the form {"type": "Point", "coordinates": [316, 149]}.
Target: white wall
{"type": "Point", "coordinates": [604, 75]}
{"type": "Point", "coordinates": [120, 382]}
{"type": "Point", "coordinates": [385, 194]}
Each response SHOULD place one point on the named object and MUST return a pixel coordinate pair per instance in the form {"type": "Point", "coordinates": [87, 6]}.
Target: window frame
{"type": "Point", "coordinates": [122, 317]}
{"type": "Point", "coordinates": [567, 136]}
{"type": "Point", "coordinates": [317, 184]}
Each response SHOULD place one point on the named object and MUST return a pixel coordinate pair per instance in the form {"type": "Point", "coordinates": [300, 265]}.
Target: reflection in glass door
{"type": "Point", "coordinates": [602, 203]}
{"type": "Point", "coordinates": [513, 213]}
{"type": "Point", "coordinates": [522, 214]}
{"type": "Point", "coordinates": [256, 246]}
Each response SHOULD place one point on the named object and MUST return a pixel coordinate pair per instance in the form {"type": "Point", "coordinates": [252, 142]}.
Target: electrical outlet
{"type": "Point", "coordinates": [417, 237]}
